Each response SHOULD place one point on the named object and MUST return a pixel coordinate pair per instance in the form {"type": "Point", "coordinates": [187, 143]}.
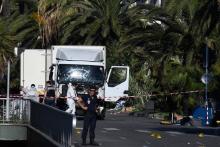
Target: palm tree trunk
{"type": "Point", "coordinates": [5, 8]}
{"type": "Point", "coordinates": [1, 7]}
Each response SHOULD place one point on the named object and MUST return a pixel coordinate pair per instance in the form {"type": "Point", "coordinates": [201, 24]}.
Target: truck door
{"type": "Point", "coordinates": [117, 83]}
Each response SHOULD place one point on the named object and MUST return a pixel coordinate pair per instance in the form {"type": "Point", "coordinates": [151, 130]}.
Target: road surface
{"type": "Point", "coordinates": [122, 130]}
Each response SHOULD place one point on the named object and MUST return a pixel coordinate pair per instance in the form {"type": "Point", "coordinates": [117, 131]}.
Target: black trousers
{"type": "Point", "coordinates": [61, 104]}
{"type": "Point", "coordinates": [49, 101]}
{"type": "Point", "coordinates": [89, 124]}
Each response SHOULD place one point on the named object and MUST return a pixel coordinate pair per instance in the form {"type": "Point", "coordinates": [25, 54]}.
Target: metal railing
{"type": "Point", "coordinates": [54, 123]}
{"type": "Point", "coordinates": [19, 111]}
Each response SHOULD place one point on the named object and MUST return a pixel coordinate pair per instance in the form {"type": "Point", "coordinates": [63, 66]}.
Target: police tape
{"type": "Point", "coordinates": [16, 96]}
{"type": "Point", "coordinates": [175, 93]}
{"type": "Point", "coordinates": [161, 94]}
{"type": "Point", "coordinates": [118, 97]}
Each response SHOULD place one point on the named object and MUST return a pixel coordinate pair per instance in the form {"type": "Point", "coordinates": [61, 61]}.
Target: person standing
{"type": "Point", "coordinates": [89, 104]}
{"type": "Point", "coordinates": [49, 97]}
{"type": "Point", "coordinates": [71, 97]}
{"type": "Point", "coordinates": [32, 93]}
{"type": "Point", "coordinates": [61, 101]}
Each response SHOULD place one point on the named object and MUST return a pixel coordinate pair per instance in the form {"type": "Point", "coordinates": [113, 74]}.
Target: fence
{"type": "Point", "coordinates": [53, 122]}
{"type": "Point", "coordinates": [19, 111]}
{"type": "Point", "coordinates": [50, 121]}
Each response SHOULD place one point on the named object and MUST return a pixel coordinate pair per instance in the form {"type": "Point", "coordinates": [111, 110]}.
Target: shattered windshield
{"type": "Point", "coordinates": [80, 74]}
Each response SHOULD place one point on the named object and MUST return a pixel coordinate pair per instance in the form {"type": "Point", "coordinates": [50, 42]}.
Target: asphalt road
{"type": "Point", "coordinates": [121, 130]}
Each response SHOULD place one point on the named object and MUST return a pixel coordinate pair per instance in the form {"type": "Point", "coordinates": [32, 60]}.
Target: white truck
{"type": "Point", "coordinates": [83, 66]}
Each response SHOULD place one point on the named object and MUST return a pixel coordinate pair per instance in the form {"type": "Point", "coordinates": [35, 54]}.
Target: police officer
{"type": "Point", "coordinates": [89, 104]}
{"type": "Point", "coordinates": [49, 96]}
{"type": "Point", "coordinates": [61, 101]}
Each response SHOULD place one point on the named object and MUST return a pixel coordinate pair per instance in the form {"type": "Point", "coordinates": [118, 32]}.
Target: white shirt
{"type": "Point", "coordinates": [32, 92]}
{"type": "Point", "coordinates": [71, 92]}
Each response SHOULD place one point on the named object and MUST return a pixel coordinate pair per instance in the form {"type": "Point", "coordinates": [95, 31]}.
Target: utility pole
{"type": "Point", "coordinates": [206, 84]}
{"type": "Point", "coordinates": [6, 13]}
{"type": "Point", "coordinates": [46, 65]}
{"type": "Point", "coordinates": [8, 88]}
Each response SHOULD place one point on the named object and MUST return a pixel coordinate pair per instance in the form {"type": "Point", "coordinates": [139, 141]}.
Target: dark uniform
{"type": "Point", "coordinates": [90, 118]}
{"type": "Point", "coordinates": [61, 101]}
{"type": "Point", "coordinates": [50, 96]}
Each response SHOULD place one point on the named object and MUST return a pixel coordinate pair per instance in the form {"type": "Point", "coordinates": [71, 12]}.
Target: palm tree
{"type": "Point", "coordinates": [202, 17]}
{"type": "Point", "coordinates": [8, 41]}
{"type": "Point", "coordinates": [25, 27]}
{"type": "Point", "coordinates": [201, 29]}
{"type": "Point", "coordinates": [39, 27]}
{"type": "Point", "coordinates": [158, 42]}
{"type": "Point", "coordinates": [148, 38]}
{"type": "Point", "coordinates": [23, 24]}
{"type": "Point", "coordinates": [95, 22]}
{"type": "Point", "coordinates": [47, 18]}
{"type": "Point", "coordinates": [198, 27]}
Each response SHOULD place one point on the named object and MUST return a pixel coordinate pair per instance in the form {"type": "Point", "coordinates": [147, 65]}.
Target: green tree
{"type": "Point", "coordinates": [97, 22]}
{"type": "Point", "coordinates": [8, 41]}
